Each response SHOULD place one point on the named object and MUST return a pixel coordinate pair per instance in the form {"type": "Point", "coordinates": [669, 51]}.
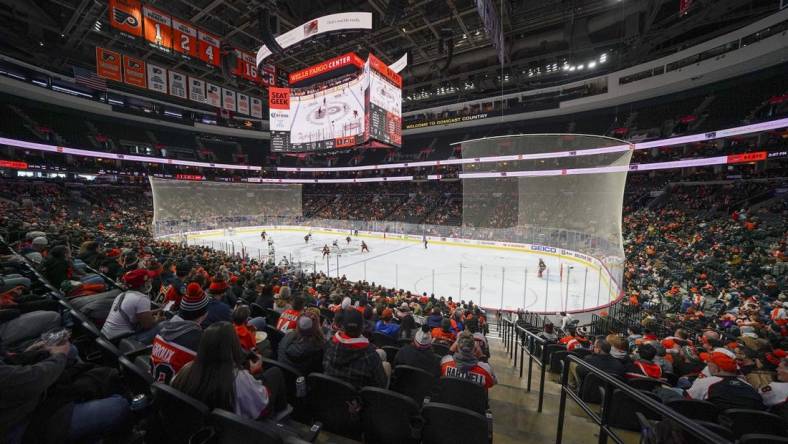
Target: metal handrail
{"type": "Point", "coordinates": [611, 383]}
{"type": "Point", "coordinates": [519, 342]}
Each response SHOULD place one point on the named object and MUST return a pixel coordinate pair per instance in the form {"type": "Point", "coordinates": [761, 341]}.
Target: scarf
{"type": "Point", "coordinates": [617, 353]}
{"type": "Point", "coordinates": [346, 341]}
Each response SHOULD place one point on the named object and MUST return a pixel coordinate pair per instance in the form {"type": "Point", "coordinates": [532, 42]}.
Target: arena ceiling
{"type": "Point", "coordinates": [539, 36]}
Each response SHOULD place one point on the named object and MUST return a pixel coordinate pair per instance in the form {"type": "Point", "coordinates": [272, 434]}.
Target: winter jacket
{"type": "Point", "coordinates": [23, 386]}
{"type": "Point", "coordinates": [391, 329]}
{"type": "Point", "coordinates": [354, 360]}
{"type": "Point", "coordinates": [434, 320]}
{"type": "Point", "coordinates": [304, 355]}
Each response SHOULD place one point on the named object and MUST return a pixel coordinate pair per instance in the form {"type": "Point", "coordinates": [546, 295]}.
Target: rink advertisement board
{"type": "Point", "coordinates": [340, 112]}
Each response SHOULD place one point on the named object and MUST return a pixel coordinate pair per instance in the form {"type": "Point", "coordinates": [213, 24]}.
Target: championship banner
{"type": "Point", "coordinates": [158, 28]}
{"type": "Point", "coordinates": [197, 90]}
{"type": "Point", "coordinates": [157, 78]}
{"type": "Point", "coordinates": [329, 65]}
{"type": "Point", "coordinates": [134, 72]}
{"type": "Point", "coordinates": [243, 104]}
{"type": "Point", "coordinates": [320, 25]}
{"type": "Point", "coordinates": [213, 95]}
{"type": "Point", "coordinates": [256, 107]}
{"type": "Point", "coordinates": [177, 84]}
{"type": "Point", "coordinates": [184, 38]}
{"type": "Point", "coordinates": [208, 48]}
{"type": "Point", "coordinates": [126, 16]}
{"type": "Point", "coordinates": [228, 99]}
{"type": "Point", "coordinates": [108, 64]}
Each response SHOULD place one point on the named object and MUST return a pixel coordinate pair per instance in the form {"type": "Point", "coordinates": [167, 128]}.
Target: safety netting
{"type": "Point", "coordinates": [561, 191]}
{"type": "Point", "coordinates": [188, 205]}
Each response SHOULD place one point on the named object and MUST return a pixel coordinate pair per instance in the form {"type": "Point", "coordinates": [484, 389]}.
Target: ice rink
{"type": "Point", "coordinates": [492, 277]}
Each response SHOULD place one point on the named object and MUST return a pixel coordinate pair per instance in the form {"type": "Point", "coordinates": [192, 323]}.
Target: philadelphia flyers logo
{"type": "Point", "coordinates": [134, 64]}
{"type": "Point", "coordinates": [108, 57]}
{"type": "Point", "coordinates": [124, 17]}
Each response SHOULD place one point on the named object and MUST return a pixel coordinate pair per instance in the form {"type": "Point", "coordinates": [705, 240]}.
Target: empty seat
{"type": "Point", "coordinates": [335, 403]}
{"type": "Point", "coordinates": [388, 417]}
{"type": "Point", "coordinates": [590, 389]}
{"type": "Point", "coordinates": [745, 421]}
{"type": "Point", "coordinates": [557, 361]}
{"type": "Point", "coordinates": [138, 379]}
{"type": "Point", "coordinates": [449, 424]}
{"type": "Point", "coordinates": [623, 409]}
{"type": "Point", "coordinates": [462, 393]}
{"type": "Point", "coordinates": [647, 384]}
{"type": "Point", "coordinates": [380, 340]}
{"type": "Point", "coordinates": [440, 350]}
{"type": "Point", "coordinates": [291, 374]}
{"type": "Point", "coordinates": [758, 438]}
{"type": "Point", "coordinates": [180, 415]}
{"type": "Point", "coordinates": [391, 352]}
{"type": "Point", "coordinates": [695, 409]}
{"type": "Point", "coordinates": [232, 429]}
{"type": "Point", "coordinates": [412, 382]}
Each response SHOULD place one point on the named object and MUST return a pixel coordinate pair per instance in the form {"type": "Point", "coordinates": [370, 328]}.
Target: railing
{"type": "Point", "coordinates": [519, 342]}
{"type": "Point", "coordinates": [609, 384]}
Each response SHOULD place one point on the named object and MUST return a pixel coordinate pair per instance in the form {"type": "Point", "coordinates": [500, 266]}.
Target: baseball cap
{"type": "Point", "coordinates": [352, 321]}
{"type": "Point", "coordinates": [136, 278]}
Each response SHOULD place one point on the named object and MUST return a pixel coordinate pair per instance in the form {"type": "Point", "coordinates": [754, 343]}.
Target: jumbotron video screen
{"type": "Point", "coordinates": [347, 102]}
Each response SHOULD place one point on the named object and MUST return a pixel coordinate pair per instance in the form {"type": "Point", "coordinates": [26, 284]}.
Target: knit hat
{"type": "Point", "coordinates": [346, 302]}
{"type": "Point", "coordinates": [40, 241]}
{"type": "Point", "coordinates": [465, 343]}
{"type": "Point", "coordinates": [218, 285]}
{"type": "Point", "coordinates": [194, 303]}
{"type": "Point", "coordinates": [387, 314]}
{"type": "Point", "coordinates": [423, 339]}
{"type": "Point", "coordinates": [722, 358]}
{"type": "Point", "coordinates": [136, 278]}
{"type": "Point", "coordinates": [305, 326]}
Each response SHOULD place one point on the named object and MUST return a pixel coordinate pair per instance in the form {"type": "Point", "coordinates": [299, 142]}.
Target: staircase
{"type": "Point", "coordinates": [515, 410]}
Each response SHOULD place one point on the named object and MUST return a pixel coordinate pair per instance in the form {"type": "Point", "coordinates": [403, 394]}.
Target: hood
{"type": "Point", "coordinates": [299, 350]}
{"type": "Point", "coordinates": [177, 327]}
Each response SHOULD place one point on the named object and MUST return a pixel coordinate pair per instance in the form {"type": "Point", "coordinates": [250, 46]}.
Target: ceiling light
{"type": "Point", "coordinates": [572, 68]}
{"type": "Point", "coordinates": [581, 66]}
{"type": "Point", "coordinates": [591, 64]}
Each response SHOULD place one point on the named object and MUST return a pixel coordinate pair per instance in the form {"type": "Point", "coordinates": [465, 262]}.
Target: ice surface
{"type": "Point", "coordinates": [491, 277]}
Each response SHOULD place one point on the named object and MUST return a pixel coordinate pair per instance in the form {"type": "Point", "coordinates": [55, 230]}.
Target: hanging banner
{"type": "Point", "coordinates": [256, 107]}
{"type": "Point", "coordinates": [157, 79]}
{"type": "Point", "coordinates": [196, 90]}
{"type": "Point", "coordinates": [108, 64]}
{"type": "Point", "coordinates": [320, 25]}
{"type": "Point", "coordinates": [213, 94]}
{"type": "Point", "coordinates": [158, 28]}
{"type": "Point", "coordinates": [208, 48]}
{"type": "Point", "coordinates": [400, 64]}
{"type": "Point", "coordinates": [228, 99]}
{"type": "Point", "coordinates": [134, 72]}
{"type": "Point", "coordinates": [177, 84]}
{"type": "Point", "coordinates": [243, 104]}
{"type": "Point", "coordinates": [184, 38]}
{"type": "Point", "coordinates": [268, 75]}
{"type": "Point", "coordinates": [126, 16]}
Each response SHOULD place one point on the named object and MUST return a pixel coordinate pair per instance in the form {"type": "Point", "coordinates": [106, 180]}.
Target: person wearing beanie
{"type": "Point", "coordinates": [725, 388]}
{"type": "Point", "coordinates": [464, 363]}
{"type": "Point", "coordinates": [218, 311]}
{"type": "Point", "coordinates": [221, 291]}
{"type": "Point", "coordinates": [419, 353]}
{"type": "Point", "coordinates": [444, 335]}
{"type": "Point", "coordinates": [303, 347]}
{"type": "Point", "coordinates": [350, 356]}
{"type": "Point", "coordinates": [178, 339]}
{"type": "Point", "coordinates": [131, 312]}
{"type": "Point", "coordinates": [385, 324]}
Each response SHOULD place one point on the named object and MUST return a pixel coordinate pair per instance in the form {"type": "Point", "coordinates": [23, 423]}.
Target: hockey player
{"type": "Point", "coordinates": [326, 250]}
{"type": "Point", "coordinates": [262, 235]}
{"type": "Point", "coordinates": [347, 239]}
{"type": "Point", "coordinates": [424, 239]}
{"type": "Point", "coordinates": [542, 267]}
{"type": "Point", "coordinates": [364, 247]}
{"type": "Point", "coordinates": [270, 241]}
{"type": "Point", "coordinates": [335, 243]}
{"type": "Point", "coordinates": [306, 238]}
